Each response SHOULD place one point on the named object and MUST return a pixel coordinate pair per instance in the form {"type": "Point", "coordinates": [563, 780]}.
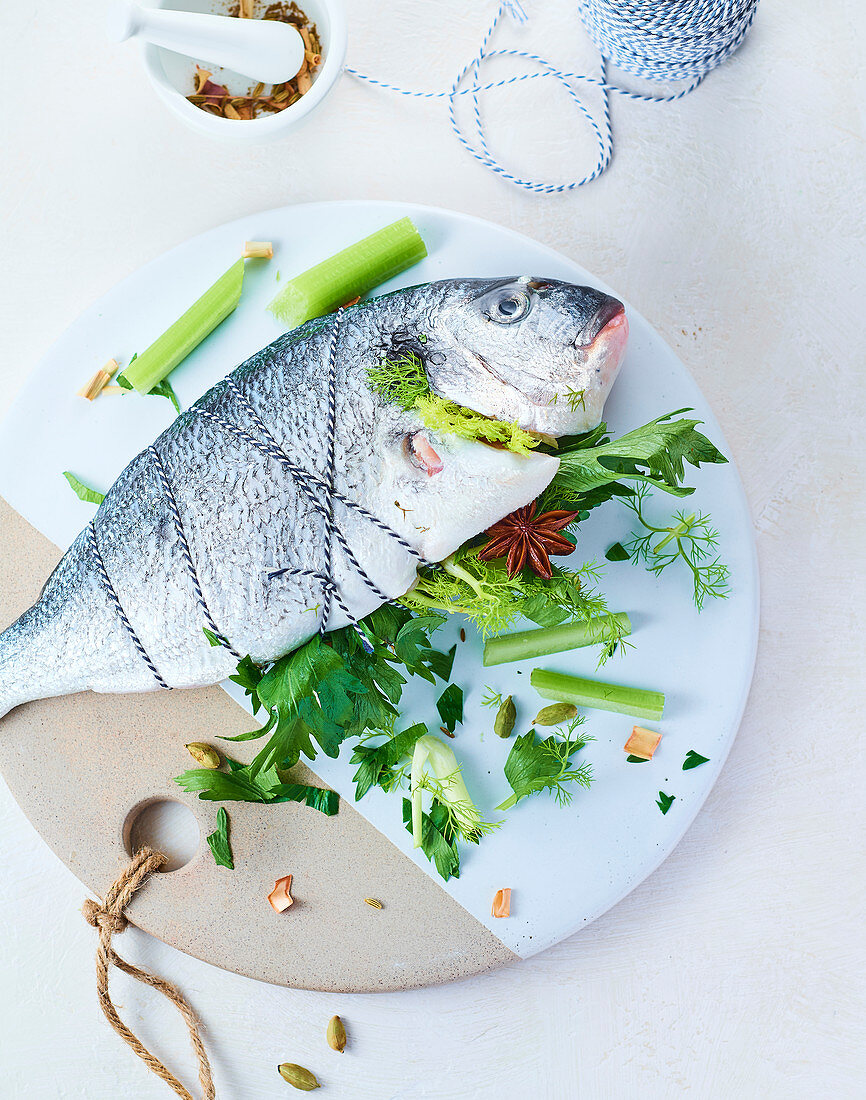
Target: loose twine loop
{"type": "Point", "coordinates": [109, 919]}
{"type": "Point", "coordinates": [657, 40]}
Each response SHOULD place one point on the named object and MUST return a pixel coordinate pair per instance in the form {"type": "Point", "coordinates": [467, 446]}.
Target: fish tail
{"type": "Point", "coordinates": [40, 656]}
{"type": "Point", "coordinates": [70, 640]}
{"type": "Point", "coordinates": [44, 652]}
{"type": "Point", "coordinates": [20, 681]}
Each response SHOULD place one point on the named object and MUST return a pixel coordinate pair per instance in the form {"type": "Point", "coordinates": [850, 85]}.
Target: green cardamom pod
{"type": "Point", "coordinates": [506, 716]}
{"type": "Point", "coordinates": [203, 754]}
{"type": "Point", "coordinates": [298, 1077]}
{"type": "Point", "coordinates": [554, 714]}
{"type": "Point", "coordinates": [336, 1034]}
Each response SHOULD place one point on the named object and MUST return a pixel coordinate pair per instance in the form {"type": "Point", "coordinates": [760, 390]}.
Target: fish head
{"type": "Point", "coordinates": [541, 352]}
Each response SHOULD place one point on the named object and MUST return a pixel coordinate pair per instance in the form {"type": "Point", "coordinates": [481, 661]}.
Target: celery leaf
{"type": "Point", "coordinates": [82, 491]}
{"type": "Point", "coordinates": [437, 839]}
{"type": "Point", "coordinates": [219, 841]}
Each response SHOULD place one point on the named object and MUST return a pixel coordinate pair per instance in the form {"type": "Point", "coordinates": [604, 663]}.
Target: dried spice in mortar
{"type": "Point", "coordinates": [216, 98]}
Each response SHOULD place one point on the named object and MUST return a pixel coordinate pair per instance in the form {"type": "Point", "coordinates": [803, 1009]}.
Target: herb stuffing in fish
{"type": "Point", "coordinates": [221, 525]}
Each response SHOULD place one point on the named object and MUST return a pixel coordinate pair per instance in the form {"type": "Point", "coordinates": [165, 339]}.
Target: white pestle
{"type": "Point", "coordinates": [262, 49]}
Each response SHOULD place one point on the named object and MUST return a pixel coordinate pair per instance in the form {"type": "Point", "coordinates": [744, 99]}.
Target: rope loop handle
{"type": "Point", "coordinates": [109, 919]}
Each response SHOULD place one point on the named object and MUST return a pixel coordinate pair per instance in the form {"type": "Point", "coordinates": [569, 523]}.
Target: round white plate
{"type": "Point", "coordinates": [565, 865]}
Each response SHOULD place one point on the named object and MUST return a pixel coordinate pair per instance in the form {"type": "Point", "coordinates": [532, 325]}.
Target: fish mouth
{"type": "Point", "coordinates": [609, 321]}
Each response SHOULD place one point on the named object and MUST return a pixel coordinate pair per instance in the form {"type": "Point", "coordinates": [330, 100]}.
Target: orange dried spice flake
{"type": "Point", "coordinates": [281, 895]}
{"type": "Point", "coordinates": [258, 250]}
{"type": "Point", "coordinates": [94, 387]}
{"type": "Point", "coordinates": [642, 743]}
{"type": "Point", "coordinates": [502, 903]}
{"type": "Point", "coordinates": [202, 76]}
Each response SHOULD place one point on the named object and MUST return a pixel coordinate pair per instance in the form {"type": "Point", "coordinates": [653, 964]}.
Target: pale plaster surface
{"type": "Point", "coordinates": [733, 220]}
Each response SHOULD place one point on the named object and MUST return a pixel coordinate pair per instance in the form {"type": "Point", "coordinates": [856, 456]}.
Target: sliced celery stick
{"type": "Point", "coordinates": [159, 360]}
{"type": "Point", "coordinates": [349, 274]}
{"type": "Point", "coordinates": [599, 696]}
{"type": "Point", "coordinates": [553, 639]}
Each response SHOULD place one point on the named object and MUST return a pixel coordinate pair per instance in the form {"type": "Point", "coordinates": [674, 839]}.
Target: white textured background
{"type": "Point", "coordinates": [734, 221]}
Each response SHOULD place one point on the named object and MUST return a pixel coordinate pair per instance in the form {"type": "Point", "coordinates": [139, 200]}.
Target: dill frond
{"type": "Point", "coordinates": [491, 698]}
{"type": "Point", "coordinates": [580, 774]}
{"type": "Point", "coordinates": [401, 381]}
{"type": "Point", "coordinates": [689, 538]}
{"type": "Point", "coordinates": [576, 399]}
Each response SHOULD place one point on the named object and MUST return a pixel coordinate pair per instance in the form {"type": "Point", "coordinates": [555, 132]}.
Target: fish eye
{"type": "Point", "coordinates": [509, 306]}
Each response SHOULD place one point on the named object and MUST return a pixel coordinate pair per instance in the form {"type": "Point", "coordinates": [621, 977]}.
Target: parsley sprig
{"type": "Point", "coordinates": [594, 468]}
{"type": "Point", "coordinates": [271, 786]}
{"type": "Point", "coordinates": [385, 764]}
{"type": "Point", "coordinates": [438, 838]}
{"type": "Point", "coordinates": [320, 694]}
{"type": "Point", "coordinates": [535, 765]}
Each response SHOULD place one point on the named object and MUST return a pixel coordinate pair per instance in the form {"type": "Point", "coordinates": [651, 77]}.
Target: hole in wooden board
{"type": "Point", "coordinates": [165, 825]}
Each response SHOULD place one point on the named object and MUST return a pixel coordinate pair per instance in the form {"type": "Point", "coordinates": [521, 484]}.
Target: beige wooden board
{"type": "Point", "coordinates": [80, 766]}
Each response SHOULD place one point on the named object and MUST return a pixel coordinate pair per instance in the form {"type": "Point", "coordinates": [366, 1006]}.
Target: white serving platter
{"type": "Point", "coordinates": [565, 865]}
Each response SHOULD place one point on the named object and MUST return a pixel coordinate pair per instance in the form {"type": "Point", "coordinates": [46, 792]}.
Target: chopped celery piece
{"type": "Point", "coordinates": [524, 644]}
{"type": "Point", "coordinates": [349, 274]}
{"type": "Point", "coordinates": [599, 696]}
{"type": "Point", "coordinates": [159, 360]}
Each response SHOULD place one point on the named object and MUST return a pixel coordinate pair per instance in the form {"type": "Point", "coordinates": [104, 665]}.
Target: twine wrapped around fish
{"type": "Point", "coordinates": [321, 493]}
{"type": "Point", "coordinates": [656, 40]}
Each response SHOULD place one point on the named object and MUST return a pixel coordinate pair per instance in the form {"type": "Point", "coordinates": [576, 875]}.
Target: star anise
{"type": "Point", "coordinates": [528, 539]}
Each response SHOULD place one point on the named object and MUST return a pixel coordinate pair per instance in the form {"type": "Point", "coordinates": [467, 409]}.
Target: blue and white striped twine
{"type": "Point", "coordinates": [658, 40]}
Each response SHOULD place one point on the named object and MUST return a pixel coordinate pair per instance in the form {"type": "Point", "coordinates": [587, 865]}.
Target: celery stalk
{"type": "Point", "coordinates": [349, 274]}
{"type": "Point", "coordinates": [159, 360]}
{"type": "Point", "coordinates": [554, 639]}
{"type": "Point", "coordinates": [599, 696]}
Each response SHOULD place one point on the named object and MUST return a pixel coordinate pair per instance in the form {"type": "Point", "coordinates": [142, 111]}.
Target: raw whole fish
{"type": "Point", "coordinates": [292, 492]}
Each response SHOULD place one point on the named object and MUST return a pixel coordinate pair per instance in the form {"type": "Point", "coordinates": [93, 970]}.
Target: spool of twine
{"type": "Point", "coordinates": [667, 39]}
{"type": "Point", "coordinates": [657, 40]}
